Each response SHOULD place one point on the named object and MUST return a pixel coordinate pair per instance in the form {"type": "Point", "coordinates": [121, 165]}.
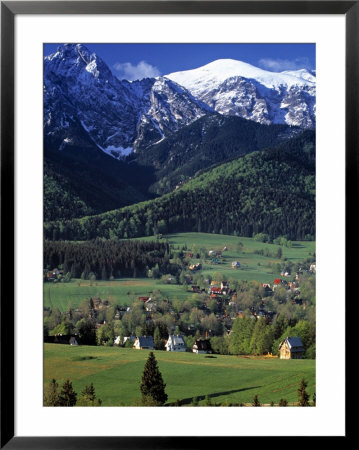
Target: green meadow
{"type": "Point", "coordinates": [125, 291]}
{"type": "Point", "coordinates": [116, 374]}
{"type": "Point", "coordinates": [253, 266]}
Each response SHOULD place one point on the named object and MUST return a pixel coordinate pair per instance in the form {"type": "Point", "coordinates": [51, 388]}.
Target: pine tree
{"type": "Point", "coordinates": [283, 402]}
{"type": "Point", "coordinates": [51, 394]}
{"type": "Point", "coordinates": [88, 397]}
{"type": "Point", "coordinates": [68, 395]}
{"type": "Point", "coordinates": [159, 345]}
{"type": "Point", "coordinates": [256, 401]}
{"type": "Point", "coordinates": [152, 386]}
{"type": "Point", "coordinates": [302, 394]}
{"type": "Point", "coordinates": [89, 392]}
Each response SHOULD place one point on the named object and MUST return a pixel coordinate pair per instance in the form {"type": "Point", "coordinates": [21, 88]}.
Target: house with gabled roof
{"type": "Point", "coordinates": [176, 343]}
{"type": "Point", "coordinates": [291, 348]}
{"type": "Point", "coordinates": [144, 342]}
{"type": "Point", "coordinates": [202, 346]}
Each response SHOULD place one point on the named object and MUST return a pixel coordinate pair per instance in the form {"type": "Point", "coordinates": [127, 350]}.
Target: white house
{"type": "Point", "coordinates": [176, 343]}
{"type": "Point", "coordinates": [144, 342]}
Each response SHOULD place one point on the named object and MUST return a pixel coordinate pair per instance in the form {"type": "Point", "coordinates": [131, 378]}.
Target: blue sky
{"type": "Point", "coordinates": [133, 61]}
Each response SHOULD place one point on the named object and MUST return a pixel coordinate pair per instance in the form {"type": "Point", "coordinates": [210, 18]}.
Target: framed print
{"type": "Point", "coordinates": [175, 195]}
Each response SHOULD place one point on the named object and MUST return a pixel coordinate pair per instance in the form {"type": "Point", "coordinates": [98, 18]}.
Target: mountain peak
{"type": "Point", "coordinates": [73, 59]}
{"type": "Point", "coordinates": [237, 88]}
{"type": "Point", "coordinates": [220, 70]}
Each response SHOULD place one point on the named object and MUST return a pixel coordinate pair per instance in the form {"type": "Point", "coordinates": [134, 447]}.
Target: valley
{"type": "Point", "coordinates": [179, 218]}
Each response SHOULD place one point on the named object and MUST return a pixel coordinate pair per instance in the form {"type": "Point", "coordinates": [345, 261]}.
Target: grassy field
{"type": "Point", "coordinates": [119, 292]}
{"type": "Point", "coordinates": [124, 291]}
{"type": "Point", "coordinates": [116, 374]}
{"type": "Point", "coordinates": [253, 266]}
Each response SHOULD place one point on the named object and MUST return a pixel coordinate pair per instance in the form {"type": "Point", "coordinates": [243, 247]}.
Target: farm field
{"type": "Point", "coordinates": [116, 374]}
{"type": "Point", "coordinates": [299, 250]}
{"type": "Point", "coordinates": [125, 290]}
{"type": "Point", "coordinates": [253, 266]}
{"type": "Point", "coordinates": [119, 292]}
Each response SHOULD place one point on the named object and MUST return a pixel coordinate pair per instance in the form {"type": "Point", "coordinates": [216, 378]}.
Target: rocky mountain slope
{"type": "Point", "coordinates": [236, 88]}
{"type": "Point", "coordinates": [81, 93]}
{"type": "Point", "coordinates": [110, 143]}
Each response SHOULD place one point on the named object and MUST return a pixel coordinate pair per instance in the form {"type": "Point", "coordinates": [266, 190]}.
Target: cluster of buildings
{"type": "Point", "coordinates": [217, 289]}
{"type": "Point", "coordinates": [174, 343]}
{"type": "Point", "coordinates": [289, 348]}
{"type": "Point", "coordinates": [52, 275]}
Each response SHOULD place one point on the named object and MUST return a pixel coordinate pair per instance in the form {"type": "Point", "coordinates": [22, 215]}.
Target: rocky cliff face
{"type": "Point", "coordinates": [80, 92]}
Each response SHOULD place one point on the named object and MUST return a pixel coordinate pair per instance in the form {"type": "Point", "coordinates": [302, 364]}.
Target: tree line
{"type": "Point", "coordinates": [67, 396]}
{"type": "Point", "coordinates": [104, 259]}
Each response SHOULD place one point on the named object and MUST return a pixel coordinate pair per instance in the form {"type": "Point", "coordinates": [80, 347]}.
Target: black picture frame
{"type": "Point", "coordinates": [9, 9]}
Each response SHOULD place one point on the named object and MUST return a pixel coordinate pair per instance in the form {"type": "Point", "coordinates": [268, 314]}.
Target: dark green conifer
{"type": "Point", "coordinates": [152, 386]}
{"type": "Point", "coordinates": [89, 392]}
{"type": "Point", "coordinates": [256, 401]}
{"type": "Point", "coordinates": [159, 345]}
{"type": "Point", "coordinates": [302, 393]}
{"type": "Point", "coordinates": [68, 396]}
{"type": "Point", "coordinates": [51, 394]}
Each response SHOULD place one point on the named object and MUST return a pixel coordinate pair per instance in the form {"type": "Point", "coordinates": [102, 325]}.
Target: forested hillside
{"type": "Point", "coordinates": [272, 191]}
{"type": "Point", "coordinates": [82, 180]}
{"type": "Point", "coordinates": [207, 141]}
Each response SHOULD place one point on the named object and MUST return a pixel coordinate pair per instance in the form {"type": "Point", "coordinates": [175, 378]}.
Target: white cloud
{"type": "Point", "coordinates": [130, 72]}
{"type": "Point", "coordinates": [278, 65]}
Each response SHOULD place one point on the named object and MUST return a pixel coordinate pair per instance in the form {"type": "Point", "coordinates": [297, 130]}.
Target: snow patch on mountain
{"type": "Point", "coordinates": [233, 87]}
{"type": "Point", "coordinates": [84, 101]}
{"type": "Point", "coordinates": [119, 117]}
{"type": "Point", "coordinates": [220, 70]}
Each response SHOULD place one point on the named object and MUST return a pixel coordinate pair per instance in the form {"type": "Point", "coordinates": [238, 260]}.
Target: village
{"type": "Point", "coordinates": [214, 307]}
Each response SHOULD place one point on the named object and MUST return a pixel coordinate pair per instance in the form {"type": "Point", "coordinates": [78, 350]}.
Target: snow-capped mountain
{"type": "Point", "coordinates": [233, 87]}
{"type": "Point", "coordinates": [82, 95]}
{"type": "Point", "coordinates": [85, 104]}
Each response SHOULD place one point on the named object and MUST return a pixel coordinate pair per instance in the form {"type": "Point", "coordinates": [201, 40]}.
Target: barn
{"type": "Point", "coordinates": [291, 348]}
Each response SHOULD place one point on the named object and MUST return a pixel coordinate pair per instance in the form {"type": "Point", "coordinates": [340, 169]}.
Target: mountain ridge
{"type": "Point", "coordinates": [123, 117]}
{"type": "Point", "coordinates": [233, 87]}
